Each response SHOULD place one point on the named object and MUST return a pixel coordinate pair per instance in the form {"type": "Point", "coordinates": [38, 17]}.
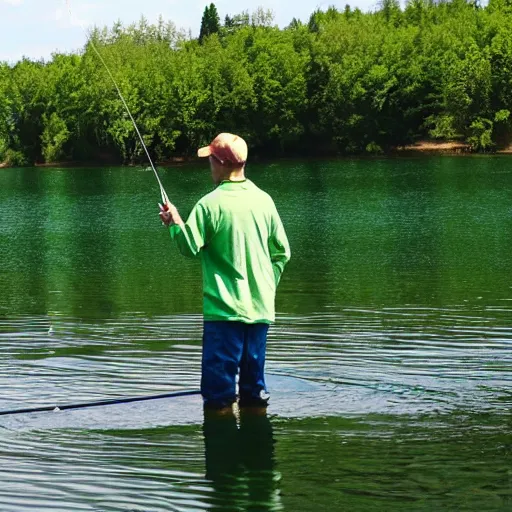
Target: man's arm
{"type": "Point", "coordinates": [190, 236]}
{"type": "Point", "coordinates": [280, 252]}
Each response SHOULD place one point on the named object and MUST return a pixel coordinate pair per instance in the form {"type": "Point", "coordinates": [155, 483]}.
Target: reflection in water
{"type": "Point", "coordinates": [240, 462]}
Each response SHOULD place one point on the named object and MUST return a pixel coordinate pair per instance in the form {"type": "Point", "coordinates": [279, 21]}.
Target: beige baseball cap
{"type": "Point", "coordinates": [226, 147]}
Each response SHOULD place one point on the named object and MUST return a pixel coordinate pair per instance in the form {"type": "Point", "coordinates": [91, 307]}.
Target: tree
{"type": "Point", "coordinates": [236, 22]}
{"type": "Point", "coordinates": [262, 18]}
{"type": "Point", "coordinates": [210, 23]}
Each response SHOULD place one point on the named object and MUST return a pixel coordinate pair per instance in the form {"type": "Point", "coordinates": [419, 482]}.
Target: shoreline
{"type": "Point", "coordinates": [426, 148]}
{"type": "Point", "coordinates": [177, 161]}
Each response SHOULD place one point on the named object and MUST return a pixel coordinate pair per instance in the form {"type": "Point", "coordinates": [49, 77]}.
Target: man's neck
{"type": "Point", "coordinates": [233, 175]}
{"type": "Point", "coordinates": [236, 175]}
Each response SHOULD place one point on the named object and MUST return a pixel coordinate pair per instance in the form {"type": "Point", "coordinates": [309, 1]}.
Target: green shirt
{"type": "Point", "coordinates": [238, 235]}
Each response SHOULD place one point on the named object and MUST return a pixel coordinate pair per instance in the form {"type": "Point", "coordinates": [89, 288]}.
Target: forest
{"type": "Point", "coordinates": [343, 82]}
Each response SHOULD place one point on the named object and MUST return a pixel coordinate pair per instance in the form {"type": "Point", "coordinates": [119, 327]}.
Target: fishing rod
{"type": "Point", "coordinates": [165, 199]}
{"type": "Point", "coordinates": [98, 403]}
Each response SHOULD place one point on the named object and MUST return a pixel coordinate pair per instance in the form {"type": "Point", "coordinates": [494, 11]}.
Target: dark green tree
{"type": "Point", "coordinates": [210, 23]}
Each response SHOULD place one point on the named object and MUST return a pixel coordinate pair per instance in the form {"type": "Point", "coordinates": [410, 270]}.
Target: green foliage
{"type": "Point", "coordinates": [345, 82]}
{"type": "Point", "coordinates": [5, 110]}
{"type": "Point", "coordinates": [373, 149]}
{"type": "Point", "coordinates": [502, 115]}
{"type": "Point", "coordinates": [480, 137]}
{"type": "Point", "coordinates": [442, 127]}
{"type": "Point", "coordinates": [15, 158]}
{"type": "Point", "coordinates": [55, 135]}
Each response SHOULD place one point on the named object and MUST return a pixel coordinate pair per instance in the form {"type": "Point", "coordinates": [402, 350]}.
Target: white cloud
{"type": "Point", "coordinates": [12, 2]}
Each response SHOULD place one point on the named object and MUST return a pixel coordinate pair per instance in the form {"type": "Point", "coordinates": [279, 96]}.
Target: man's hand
{"type": "Point", "coordinates": [170, 215]}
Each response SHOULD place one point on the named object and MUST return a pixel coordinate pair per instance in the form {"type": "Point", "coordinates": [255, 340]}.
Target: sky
{"type": "Point", "coordinates": [37, 28]}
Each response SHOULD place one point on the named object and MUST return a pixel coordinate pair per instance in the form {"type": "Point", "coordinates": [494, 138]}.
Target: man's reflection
{"type": "Point", "coordinates": [240, 460]}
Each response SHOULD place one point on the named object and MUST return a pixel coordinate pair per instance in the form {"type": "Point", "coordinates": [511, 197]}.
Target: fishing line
{"type": "Point", "coordinates": [84, 405]}
{"type": "Point", "coordinates": [165, 199]}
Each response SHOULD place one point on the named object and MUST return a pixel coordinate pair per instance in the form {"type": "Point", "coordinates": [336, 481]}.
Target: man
{"type": "Point", "coordinates": [238, 235]}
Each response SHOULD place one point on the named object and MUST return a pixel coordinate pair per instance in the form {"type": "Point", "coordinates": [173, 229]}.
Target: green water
{"type": "Point", "coordinates": [391, 359]}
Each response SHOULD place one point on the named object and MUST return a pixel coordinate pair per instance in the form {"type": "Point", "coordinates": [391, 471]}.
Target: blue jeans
{"type": "Point", "coordinates": [230, 347]}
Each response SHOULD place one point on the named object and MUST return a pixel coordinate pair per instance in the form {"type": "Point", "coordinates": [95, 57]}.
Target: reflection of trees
{"type": "Point", "coordinates": [80, 235]}
{"type": "Point", "coordinates": [108, 253]}
{"type": "Point", "coordinates": [302, 200]}
{"type": "Point", "coordinates": [413, 251]}
{"type": "Point", "coordinates": [473, 205]}
{"type": "Point", "coordinates": [23, 204]}
{"type": "Point", "coordinates": [240, 462]}
{"type": "Point", "coordinates": [89, 243]}
{"type": "Point", "coordinates": [363, 237]}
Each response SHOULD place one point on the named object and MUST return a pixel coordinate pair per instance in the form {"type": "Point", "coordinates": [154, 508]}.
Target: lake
{"type": "Point", "coordinates": [390, 364]}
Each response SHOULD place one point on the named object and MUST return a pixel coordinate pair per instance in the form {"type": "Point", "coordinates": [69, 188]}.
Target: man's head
{"type": "Point", "coordinates": [227, 154]}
